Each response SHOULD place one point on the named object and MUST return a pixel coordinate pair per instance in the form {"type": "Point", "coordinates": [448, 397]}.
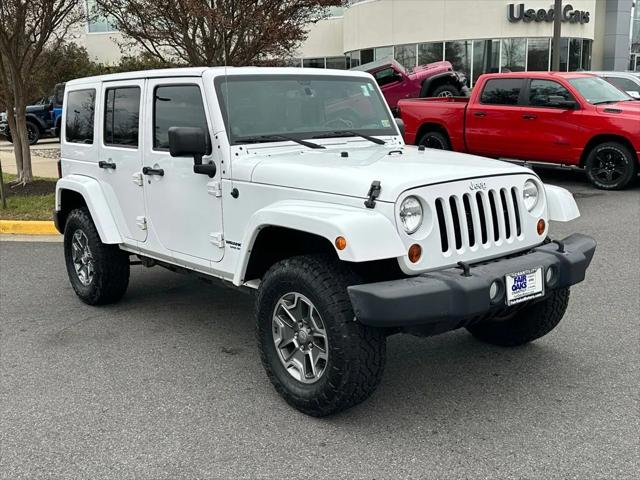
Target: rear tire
{"type": "Point", "coordinates": [99, 273]}
{"type": "Point", "coordinates": [435, 140]}
{"type": "Point", "coordinates": [611, 166]}
{"type": "Point", "coordinates": [354, 355]}
{"type": "Point", "coordinates": [530, 323]}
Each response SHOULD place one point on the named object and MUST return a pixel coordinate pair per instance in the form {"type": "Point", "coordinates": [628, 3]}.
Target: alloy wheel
{"type": "Point", "coordinates": [610, 164]}
{"type": "Point", "coordinates": [300, 337]}
{"type": "Point", "coordinates": [82, 258]}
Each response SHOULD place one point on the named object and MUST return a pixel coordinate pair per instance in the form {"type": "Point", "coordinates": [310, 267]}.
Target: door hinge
{"type": "Point", "coordinates": [137, 178]}
{"type": "Point", "coordinates": [217, 239]}
{"type": "Point", "coordinates": [141, 222]}
{"type": "Point", "coordinates": [214, 188]}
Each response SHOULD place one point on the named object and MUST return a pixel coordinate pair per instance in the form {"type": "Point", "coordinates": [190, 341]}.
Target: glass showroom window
{"type": "Point", "coordinates": [459, 54]}
{"type": "Point", "coordinates": [564, 53]}
{"type": "Point", "coordinates": [406, 55]}
{"type": "Point", "coordinates": [383, 52]}
{"type": "Point", "coordinates": [98, 23]}
{"type": "Point", "coordinates": [575, 54]}
{"type": "Point", "coordinates": [486, 57]}
{"type": "Point", "coordinates": [354, 58]}
{"type": "Point", "coordinates": [337, 63]}
{"type": "Point", "coordinates": [313, 63]}
{"type": "Point", "coordinates": [538, 54]}
{"type": "Point", "coordinates": [366, 56]}
{"type": "Point", "coordinates": [430, 52]}
{"type": "Point", "coordinates": [586, 54]}
{"type": "Point", "coordinates": [513, 54]}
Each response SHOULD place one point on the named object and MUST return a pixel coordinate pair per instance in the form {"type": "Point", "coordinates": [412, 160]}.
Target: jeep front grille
{"type": "Point", "coordinates": [480, 218]}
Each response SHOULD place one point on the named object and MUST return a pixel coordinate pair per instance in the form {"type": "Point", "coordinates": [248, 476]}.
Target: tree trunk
{"type": "Point", "coordinates": [25, 174]}
{"type": "Point", "coordinates": [17, 146]}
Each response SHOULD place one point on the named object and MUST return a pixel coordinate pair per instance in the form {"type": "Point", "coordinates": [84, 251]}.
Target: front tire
{"type": "Point", "coordinates": [319, 359]}
{"type": "Point", "coordinates": [611, 166]}
{"type": "Point", "coordinates": [33, 133]}
{"type": "Point", "coordinates": [447, 90]}
{"type": "Point", "coordinates": [99, 273]}
{"type": "Point", "coordinates": [525, 325]}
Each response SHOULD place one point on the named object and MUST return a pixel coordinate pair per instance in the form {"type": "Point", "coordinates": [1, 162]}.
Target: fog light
{"type": "Point", "coordinates": [415, 252]}
{"type": "Point", "coordinates": [541, 226]}
{"type": "Point", "coordinates": [494, 291]}
{"type": "Point", "coordinates": [550, 276]}
{"type": "Point", "coordinates": [341, 243]}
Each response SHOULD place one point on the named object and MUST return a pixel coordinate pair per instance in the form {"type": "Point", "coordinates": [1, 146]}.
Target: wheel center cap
{"type": "Point", "coordinates": [304, 335]}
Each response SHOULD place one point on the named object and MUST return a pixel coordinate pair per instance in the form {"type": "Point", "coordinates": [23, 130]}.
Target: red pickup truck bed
{"type": "Point", "coordinates": [570, 119]}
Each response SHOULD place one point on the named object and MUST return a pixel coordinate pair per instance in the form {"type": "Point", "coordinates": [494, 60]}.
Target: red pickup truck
{"type": "Point", "coordinates": [568, 119]}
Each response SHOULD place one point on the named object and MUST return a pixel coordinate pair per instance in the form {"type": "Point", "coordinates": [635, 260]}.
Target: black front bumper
{"type": "Point", "coordinates": [449, 299]}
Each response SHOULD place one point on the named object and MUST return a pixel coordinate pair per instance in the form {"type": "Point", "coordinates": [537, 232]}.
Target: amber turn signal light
{"type": "Point", "coordinates": [341, 243]}
{"type": "Point", "coordinates": [541, 226]}
{"type": "Point", "coordinates": [415, 252]}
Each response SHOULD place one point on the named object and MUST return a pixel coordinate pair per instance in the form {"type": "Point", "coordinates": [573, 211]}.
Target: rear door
{"type": "Point", "coordinates": [492, 122]}
{"type": "Point", "coordinates": [553, 133]}
{"type": "Point", "coordinates": [121, 155]}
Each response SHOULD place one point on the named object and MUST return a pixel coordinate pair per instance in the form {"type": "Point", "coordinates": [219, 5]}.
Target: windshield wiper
{"type": "Point", "coordinates": [349, 133]}
{"type": "Point", "coordinates": [602, 102]}
{"type": "Point", "coordinates": [275, 138]}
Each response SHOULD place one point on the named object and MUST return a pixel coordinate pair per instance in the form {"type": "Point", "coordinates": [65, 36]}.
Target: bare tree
{"type": "Point", "coordinates": [27, 27]}
{"type": "Point", "coordinates": [215, 32]}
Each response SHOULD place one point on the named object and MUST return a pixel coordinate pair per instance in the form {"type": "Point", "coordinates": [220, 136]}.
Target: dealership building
{"type": "Point", "coordinates": [476, 36]}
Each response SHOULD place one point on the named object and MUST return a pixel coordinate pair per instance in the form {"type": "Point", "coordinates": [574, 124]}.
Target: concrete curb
{"type": "Point", "coordinates": [24, 227]}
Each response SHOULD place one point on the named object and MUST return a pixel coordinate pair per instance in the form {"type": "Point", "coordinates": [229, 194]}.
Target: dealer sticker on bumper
{"type": "Point", "coordinates": [525, 285]}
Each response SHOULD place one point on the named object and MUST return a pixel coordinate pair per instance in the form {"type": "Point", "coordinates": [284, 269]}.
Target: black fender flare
{"type": "Point", "coordinates": [429, 83]}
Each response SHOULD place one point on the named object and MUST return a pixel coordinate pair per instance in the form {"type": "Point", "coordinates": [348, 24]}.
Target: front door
{"type": "Point", "coordinates": [120, 159]}
{"type": "Point", "coordinates": [184, 208]}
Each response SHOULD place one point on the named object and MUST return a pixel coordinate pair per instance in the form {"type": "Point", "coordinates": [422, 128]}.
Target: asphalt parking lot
{"type": "Point", "coordinates": [168, 383]}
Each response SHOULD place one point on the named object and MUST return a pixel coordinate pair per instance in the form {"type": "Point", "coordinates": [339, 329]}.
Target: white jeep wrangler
{"type": "Point", "coordinates": [299, 185]}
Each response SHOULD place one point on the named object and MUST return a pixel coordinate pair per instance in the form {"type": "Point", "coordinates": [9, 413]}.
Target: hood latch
{"type": "Point", "coordinates": [374, 192]}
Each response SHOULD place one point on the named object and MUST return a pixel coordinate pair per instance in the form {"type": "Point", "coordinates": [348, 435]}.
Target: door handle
{"type": "Point", "coordinates": [529, 116]}
{"type": "Point", "coordinates": [479, 114]}
{"type": "Point", "coordinates": [153, 171]}
{"type": "Point", "coordinates": [107, 165]}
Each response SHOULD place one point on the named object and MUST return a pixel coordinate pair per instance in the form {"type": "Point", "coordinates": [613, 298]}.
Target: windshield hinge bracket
{"type": "Point", "coordinates": [374, 192]}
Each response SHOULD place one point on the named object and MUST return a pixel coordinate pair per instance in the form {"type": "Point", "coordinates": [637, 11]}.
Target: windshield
{"type": "Point", "coordinates": [596, 90]}
{"type": "Point", "coordinates": [300, 106]}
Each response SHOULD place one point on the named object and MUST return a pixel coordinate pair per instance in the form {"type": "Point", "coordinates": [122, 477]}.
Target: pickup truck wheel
{"type": "Point", "coordinates": [446, 90]}
{"type": "Point", "coordinates": [33, 133]}
{"type": "Point", "coordinates": [318, 358]}
{"type": "Point", "coordinates": [99, 273]}
{"type": "Point", "coordinates": [436, 140]}
{"type": "Point", "coordinates": [611, 166]}
{"type": "Point", "coordinates": [526, 323]}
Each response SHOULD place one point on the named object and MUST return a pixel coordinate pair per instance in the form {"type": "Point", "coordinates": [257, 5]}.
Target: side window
{"type": "Point", "coordinates": [541, 90]}
{"type": "Point", "coordinates": [176, 106]}
{"type": "Point", "coordinates": [81, 106]}
{"type": "Point", "coordinates": [121, 116]}
{"type": "Point", "coordinates": [502, 91]}
{"type": "Point", "coordinates": [386, 76]}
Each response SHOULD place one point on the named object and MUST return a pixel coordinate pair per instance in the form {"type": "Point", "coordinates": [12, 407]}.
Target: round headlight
{"type": "Point", "coordinates": [411, 214]}
{"type": "Point", "coordinates": [530, 195]}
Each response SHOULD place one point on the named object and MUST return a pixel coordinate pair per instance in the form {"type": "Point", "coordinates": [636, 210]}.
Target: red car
{"type": "Point", "coordinates": [568, 119]}
{"type": "Point", "coordinates": [430, 80]}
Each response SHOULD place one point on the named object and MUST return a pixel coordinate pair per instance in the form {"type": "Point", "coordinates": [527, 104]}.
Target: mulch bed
{"type": "Point", "coordinates": [37, 187]}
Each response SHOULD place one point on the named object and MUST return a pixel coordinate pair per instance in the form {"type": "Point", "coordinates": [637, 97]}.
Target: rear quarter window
{"type": "Point", "coordinates": [502, 91]}
{"type": "Point", "coordinates": [80, 113]}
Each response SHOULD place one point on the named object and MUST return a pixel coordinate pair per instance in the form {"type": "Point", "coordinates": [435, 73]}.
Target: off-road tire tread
{"type": "Point", "coordinates": [112, 264]}
{"type": "Point", "coordinates": [363, 363]}
{"type": "Point", "coordinates": [532, 322]}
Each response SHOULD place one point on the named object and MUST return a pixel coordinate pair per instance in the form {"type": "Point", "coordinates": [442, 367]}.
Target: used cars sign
{"type": "Point", "coordinates": [519, 13]}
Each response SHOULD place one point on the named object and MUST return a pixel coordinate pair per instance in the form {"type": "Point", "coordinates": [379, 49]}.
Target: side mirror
{"type": "Point", "coordinates": [59, 94]}
{"type": "Point", "coordinates": [191, 142]}
{"type": "Point", "coordinates": [559, 101]}
{"type": "Point", "coordinates": [400, 125]}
